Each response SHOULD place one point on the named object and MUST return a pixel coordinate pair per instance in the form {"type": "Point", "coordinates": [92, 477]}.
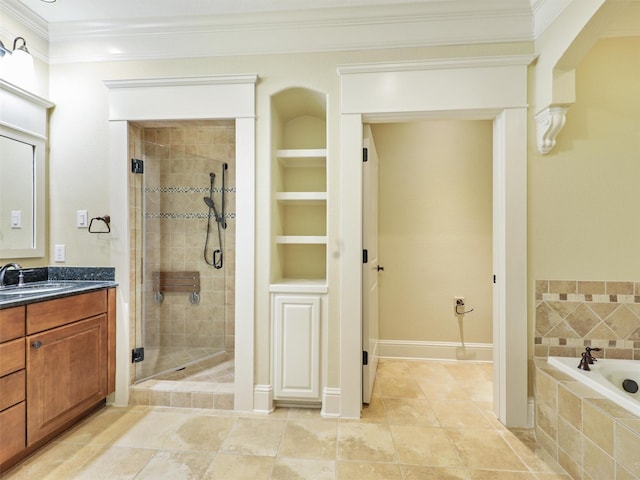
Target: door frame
{"type": "Point", "coordinates": [186, 98]}
{"type": "Point", "coordinates": [464, 88]}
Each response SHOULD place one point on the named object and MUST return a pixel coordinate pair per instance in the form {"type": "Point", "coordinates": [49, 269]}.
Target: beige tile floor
{"type": "Point", "coordinates": [427, 420]}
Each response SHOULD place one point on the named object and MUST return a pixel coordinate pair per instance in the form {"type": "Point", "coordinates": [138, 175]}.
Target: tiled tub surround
{"type": "Point", "coordinates": [571, 315]}
{"type": "Point", "coordinates": [591, 437]}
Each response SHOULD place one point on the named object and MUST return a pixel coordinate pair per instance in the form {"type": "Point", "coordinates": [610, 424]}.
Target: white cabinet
{"type": "Point", "coordinates": [297, 321]}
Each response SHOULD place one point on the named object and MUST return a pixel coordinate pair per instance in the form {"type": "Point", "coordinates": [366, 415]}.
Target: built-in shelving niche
{"type": "Point", "coordinates": [299, 172]}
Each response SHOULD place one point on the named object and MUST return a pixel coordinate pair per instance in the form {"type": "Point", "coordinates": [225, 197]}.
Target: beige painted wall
{"type": "Point", "coordinates": [79, 130]}
{"type": "Point", "coordinates": [583, 196]}
{"type": "Point", "coordinates": [435, 224]}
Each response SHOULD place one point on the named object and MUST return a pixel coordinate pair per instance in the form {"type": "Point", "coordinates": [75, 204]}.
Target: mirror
{"type": "Point", "coordinates": [21, 195]}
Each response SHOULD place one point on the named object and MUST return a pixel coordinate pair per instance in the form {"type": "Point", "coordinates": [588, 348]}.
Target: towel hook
{"type": "Point", "coordinates": [106, 219]}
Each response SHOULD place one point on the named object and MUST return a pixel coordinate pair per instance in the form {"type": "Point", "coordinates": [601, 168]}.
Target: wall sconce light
{"type": "Point", "coordinates": [16, 65]}
{"type": "Point", "coordinates": [20, 50]}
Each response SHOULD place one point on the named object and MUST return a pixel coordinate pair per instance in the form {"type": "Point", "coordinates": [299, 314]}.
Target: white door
{"type": "Point", "coordinates": [371, 267]}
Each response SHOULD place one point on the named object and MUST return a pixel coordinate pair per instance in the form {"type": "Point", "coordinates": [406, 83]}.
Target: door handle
{"type": "Point", "coordinates": [380, 269]}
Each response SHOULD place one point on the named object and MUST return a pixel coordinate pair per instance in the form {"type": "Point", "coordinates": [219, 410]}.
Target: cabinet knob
{"type": "Point", "coordinates": [36, 344]}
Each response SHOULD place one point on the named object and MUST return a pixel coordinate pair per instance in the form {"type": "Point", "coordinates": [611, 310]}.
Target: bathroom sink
{"type": "Point", "coordinates": [34, 289]}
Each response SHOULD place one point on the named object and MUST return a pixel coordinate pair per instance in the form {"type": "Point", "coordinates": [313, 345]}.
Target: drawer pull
{"type": "Point", "coordinates": [36, 344]}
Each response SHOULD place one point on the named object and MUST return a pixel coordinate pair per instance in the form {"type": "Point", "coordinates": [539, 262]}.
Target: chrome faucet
{"type": "Point", "coordinates": [3, 272]}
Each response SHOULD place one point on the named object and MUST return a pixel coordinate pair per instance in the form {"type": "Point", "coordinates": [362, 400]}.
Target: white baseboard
{"type": "Point", "coordinates": [263, 399]}
{"type": "Point", "coordinates": [480, 352]}
{"type": "Point", "coordinates": [330, 402]}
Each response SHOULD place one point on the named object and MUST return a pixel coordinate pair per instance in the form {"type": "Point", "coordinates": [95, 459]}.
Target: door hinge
{"type": "Point", "coordinates": [494, 279]}
{"type": "Point", "coordinates": [137, 355]}
{"type": "Point", "coordinates": [365, 256]}
{"type": "Point", "coordinates": [365, 154]}
{"type": "Point", "coordinates": [365, 357]}
{"type": "Point", "coordinates": [137, 166]}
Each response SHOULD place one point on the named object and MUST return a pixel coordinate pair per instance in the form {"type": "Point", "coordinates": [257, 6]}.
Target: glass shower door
{"type": "Point", "coordinates": [181, 256]}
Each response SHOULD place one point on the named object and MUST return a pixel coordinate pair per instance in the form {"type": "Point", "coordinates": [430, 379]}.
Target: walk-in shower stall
{"type": "Point", "coordinates": [182, 237]}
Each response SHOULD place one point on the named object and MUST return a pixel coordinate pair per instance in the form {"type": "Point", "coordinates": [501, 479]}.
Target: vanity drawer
{"type": "Point", "coordinates": [54, 313]}
{"type": "Point", "coordinates": [12, 356]}
{"type": "Point", "coordinates": [13, 431]}
{"type": "Point", "coordinates": [11, 323]}
{"type": "Point", "coordinates": [12, 389]}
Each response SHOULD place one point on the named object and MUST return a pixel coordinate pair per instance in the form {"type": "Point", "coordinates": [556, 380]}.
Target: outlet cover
{"type": "Point", "coordinates": [59, 253]}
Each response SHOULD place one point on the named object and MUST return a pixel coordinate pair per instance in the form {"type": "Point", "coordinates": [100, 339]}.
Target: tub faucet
{"type": "Point", "coordinates": [588, 359]}
{"type": "Point", "coordinates": [3, 272]}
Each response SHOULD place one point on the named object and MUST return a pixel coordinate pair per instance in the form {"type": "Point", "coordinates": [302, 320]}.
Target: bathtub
{"type": "Point", "coordinates": [606, 377]}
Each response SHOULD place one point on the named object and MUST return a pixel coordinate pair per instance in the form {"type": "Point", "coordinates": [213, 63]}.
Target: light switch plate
{"type": "Point", "coordinates": [16, 219]}
{"type": "Point", "coordinates": [81, 219]}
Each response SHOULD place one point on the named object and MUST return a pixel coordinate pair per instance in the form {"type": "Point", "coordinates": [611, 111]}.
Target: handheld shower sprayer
{"type": "Point", "coordinates": [216, 261]}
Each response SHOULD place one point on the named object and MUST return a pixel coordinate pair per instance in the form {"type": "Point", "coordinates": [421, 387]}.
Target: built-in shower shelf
{"type": "Point", "coordinates": [301, 239]}
{"type": "Point", "coordinates": [301, 196]}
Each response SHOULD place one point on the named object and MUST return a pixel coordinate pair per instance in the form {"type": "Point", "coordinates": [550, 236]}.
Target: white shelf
{"type": "Point", "coordinates": [301, 196]}
{"type": "Point", "coordinates": [301, 239]}
{"type": "Point", "coordinates": [300, 158]}
{"type": "Point", "coordinates": [302, 153]}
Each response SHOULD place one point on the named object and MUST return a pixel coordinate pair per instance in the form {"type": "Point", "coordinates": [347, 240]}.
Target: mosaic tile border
{"type": "Point", "coordinates": [188, 190]}
{"type": "Point", "coordinates": [183, 216]}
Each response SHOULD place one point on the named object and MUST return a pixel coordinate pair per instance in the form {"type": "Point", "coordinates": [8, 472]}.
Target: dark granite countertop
{"type": "Point", "coordinates": [48, 283]}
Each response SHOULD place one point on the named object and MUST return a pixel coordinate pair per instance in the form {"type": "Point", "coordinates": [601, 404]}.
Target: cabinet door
{"type": "Point", "coordinates": [12, 432]}
{"type": "Point", "coordinates": [66, 374]}
{"type": "Point", "coordinates": [297, 346]}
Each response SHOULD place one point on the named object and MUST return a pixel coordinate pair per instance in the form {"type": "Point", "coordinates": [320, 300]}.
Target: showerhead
{"type": "Point", "coordinates": [209, 202]}
{"type": "Point", "coordinates": [212, 176]}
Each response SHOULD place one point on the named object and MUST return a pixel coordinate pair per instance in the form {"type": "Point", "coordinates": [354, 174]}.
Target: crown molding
{"type": "Point", "coordinates": [25, 16]}
{"type": "Point", "coordinates": [545, 12]}
{"type": "Point", "coordinates": [336, 29]}
{"type": "Point", "coordinates": [438, 64]}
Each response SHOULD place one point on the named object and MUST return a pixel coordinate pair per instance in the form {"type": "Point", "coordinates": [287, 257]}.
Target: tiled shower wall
{"type": "Point", "coordinates": [571, 315]}
{"type": "Point", "coordinates": [178, 161]}
{"type": "Point", "coordinates": [178, 158]}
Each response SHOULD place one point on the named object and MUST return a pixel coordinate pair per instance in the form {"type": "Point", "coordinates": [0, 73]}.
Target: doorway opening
{"type": "Point", "coordinates": [184, 285]}
{"type": "Point", "coordinates": [492, 88]}
{"type": "Point", "coordinates": [434, 239]}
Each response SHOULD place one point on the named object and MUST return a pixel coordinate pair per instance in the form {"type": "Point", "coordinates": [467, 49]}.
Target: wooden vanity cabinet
{"type": "Point", "coordinates": [67, 367]}
{"type": "Point", "coordinates": [67, 374]}
{"type": "Point", "coordinates": [12, 382]}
